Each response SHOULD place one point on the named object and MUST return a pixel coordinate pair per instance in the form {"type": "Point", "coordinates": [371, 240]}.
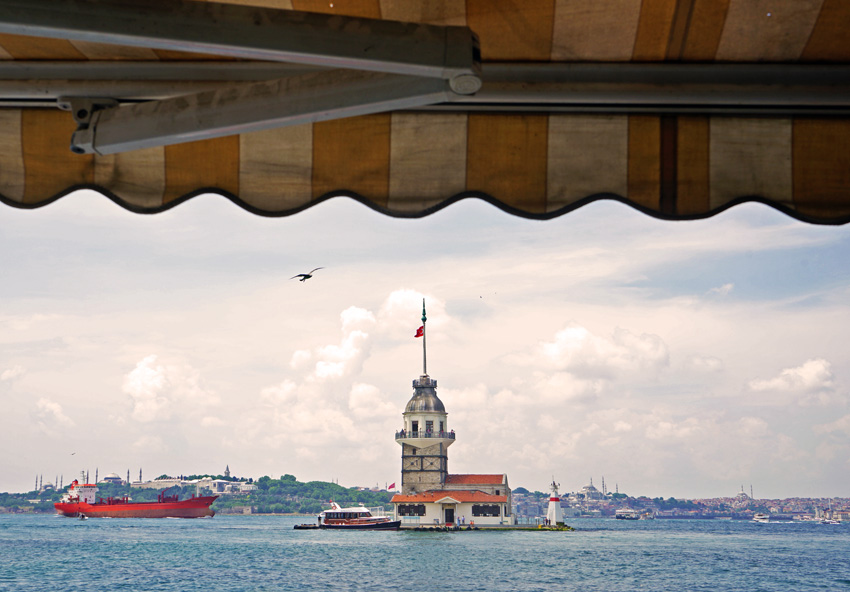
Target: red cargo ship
{"type": "Point", "coordinates": [80, 501]}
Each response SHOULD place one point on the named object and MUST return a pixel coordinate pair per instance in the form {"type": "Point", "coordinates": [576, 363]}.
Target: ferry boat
{"type": "Point", "coordinates": [763, 518]}
{"type": "Point", "coordinates": [357, 518]}
{"type": "Point", "coordinates": [626, 514]}
{"type": "Point", "coordinates": [81, 501]}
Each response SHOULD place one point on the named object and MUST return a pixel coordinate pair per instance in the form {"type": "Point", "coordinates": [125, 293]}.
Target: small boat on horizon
{"type": "Point", "coordinates": [761, 518]}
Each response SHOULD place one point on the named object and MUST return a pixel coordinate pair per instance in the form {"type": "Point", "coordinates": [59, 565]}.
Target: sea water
{"type": "Point", "coordinates": [236, 553]}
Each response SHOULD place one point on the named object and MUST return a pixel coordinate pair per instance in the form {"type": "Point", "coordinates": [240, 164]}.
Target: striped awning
{"type": "Point", "coordinates": [534, 157]}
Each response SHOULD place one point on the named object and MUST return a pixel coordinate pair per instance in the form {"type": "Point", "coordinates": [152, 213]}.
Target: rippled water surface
{"type": "Point", "coordinates": [238, 553]}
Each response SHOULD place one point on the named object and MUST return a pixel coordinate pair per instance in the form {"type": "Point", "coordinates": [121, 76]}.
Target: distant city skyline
{"type": "Point", "coordinates": [680, 359]}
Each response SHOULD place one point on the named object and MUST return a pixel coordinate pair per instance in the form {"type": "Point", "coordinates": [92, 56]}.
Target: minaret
{"type": "Point", "coordinates": [425, 438]}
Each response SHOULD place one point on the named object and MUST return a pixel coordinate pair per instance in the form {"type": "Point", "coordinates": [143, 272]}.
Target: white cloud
{"type": "Point", "coordinates": [325, 406]}
{"type": "Point", "coordinates": [400, 313]}
{"type": "Point", "coordinates": [300, 359]}
{"type": "Point", "coordinates": [702, 363]}
{"type": "Point", "coordinates": [356, 318]}
{"type": "Point", "coordinates": [150, 444]}
{"type": "Point", "coordinates": [147, 384]}
{"type": "Point", "coordinates": [723, 290]}
{"type": "Point", "coordinates": [346, 358]}
{"type": "Point", "coordinates": [50, 417]}
{"type": "Point", "coordinates": [812, 375]}
{"type": "Point", "coordinates": [812, 383]}
{"type": "Point", "coordinates": [622, 426]}
{"type": "Point", "coordinates": [670, 431]}
{"type": "Point", "coordinates": [841, 424]}
{"type": "Point", "coordinates": [27, 322]}
{"type": "Point", "coordinates": [564, 386]}
{"type": "Point", "coordinates": [12, 373]}
{"type": "Point", "coordinates": [366, 401]}
{"type": "Point", "coordinates": [159, 390]}
{"type": "Point", "coordinates": [578, 351]}
{"type": "Point", "coordinates": [279, 394]}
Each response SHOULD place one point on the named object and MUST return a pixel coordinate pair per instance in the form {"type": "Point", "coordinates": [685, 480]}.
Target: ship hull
{"type": "Point", "coordinates": [197, 507]}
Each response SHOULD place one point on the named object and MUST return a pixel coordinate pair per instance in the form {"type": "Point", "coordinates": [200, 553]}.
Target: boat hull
{"type": "Point", "coordinates": [197, 507]}
{"type": "Point", "coordinates": [387, 525]}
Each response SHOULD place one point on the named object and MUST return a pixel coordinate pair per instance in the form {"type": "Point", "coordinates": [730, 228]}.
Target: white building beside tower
{"type": "Point", "coordinates": [429, 494]}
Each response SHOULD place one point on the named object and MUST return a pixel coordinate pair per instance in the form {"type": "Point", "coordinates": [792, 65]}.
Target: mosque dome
{"type": "Point", "coordinates": [424, 397]}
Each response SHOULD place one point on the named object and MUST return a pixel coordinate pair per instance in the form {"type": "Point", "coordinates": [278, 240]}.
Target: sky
{"type": "Point", "coordinates": [683, 359]}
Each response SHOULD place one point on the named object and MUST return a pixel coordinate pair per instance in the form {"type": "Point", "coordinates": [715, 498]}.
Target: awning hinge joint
{"type": "Point", "coordinates": [83, 110]}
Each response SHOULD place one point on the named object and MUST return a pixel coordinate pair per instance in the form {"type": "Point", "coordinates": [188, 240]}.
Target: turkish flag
{"type": "Point", "coordinates": [420, 331]}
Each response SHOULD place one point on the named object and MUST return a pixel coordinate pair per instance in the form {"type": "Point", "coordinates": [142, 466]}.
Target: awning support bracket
{"type": "Point", "coordinates": [83, 109]}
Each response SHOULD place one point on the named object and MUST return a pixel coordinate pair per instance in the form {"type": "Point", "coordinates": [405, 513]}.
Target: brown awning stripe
{"type": "Point", "coordinates": [353, 153]}
{"type": "Point", "coordinates": [821, 160]}
{"type": "Point", "coordinates": [411, 164]}
{"type": "Point", "coordinates": [692, 170]}
{"type": "Point", "coordinates": [49, 167]}
{"type": "Point", "coordinates": [209, 163]}
{"type": "Point", "coordinates": [568, 30]}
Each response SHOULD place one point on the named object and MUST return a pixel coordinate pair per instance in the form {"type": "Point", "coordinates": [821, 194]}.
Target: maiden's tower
{"type": "Point", "coordinates": [429, 494]}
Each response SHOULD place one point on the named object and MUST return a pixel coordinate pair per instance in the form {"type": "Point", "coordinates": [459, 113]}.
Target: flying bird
{"type": "Point", "coordinates": [305, 276]}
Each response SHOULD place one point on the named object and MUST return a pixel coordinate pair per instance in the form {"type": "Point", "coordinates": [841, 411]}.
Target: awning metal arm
{"type": "Point", "coordinates": [379, 66]}
{"type": "Point", "coordinates": [256, 33]}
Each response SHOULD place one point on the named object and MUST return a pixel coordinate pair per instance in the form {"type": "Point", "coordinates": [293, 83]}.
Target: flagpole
{"type": "Point", "coordinates": [424, 356]}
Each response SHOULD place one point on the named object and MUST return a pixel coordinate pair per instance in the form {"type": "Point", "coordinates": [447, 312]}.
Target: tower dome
{"type": "Point", "coordinates": [424, 397]}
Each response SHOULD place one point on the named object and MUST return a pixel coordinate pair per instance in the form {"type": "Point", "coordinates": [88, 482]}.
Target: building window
{"type": "Point", "coordinates": [411, 509]}
{"type": "Point", "coordinates": [497, 492]}
{"type": "Point", "coordinates": [415, 426]}
{"type": "Point", "coordinates": [429, 426]}
{"type": "Point", "coordinates": [441, 427]}
{"type": "Point", "coordinates": [486, 510]}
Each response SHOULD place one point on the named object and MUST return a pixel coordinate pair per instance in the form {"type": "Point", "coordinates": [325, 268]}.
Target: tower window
{"type": "Point", "coordinates": [429, 426]}
{"type": "Point", "coordinates": [414, 425]}
{"type": "Point", "coordinates": [441, 427]}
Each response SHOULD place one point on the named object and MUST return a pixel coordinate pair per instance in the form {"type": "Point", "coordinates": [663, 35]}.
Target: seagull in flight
{"type": "Point", "coordinates": [305, 276]}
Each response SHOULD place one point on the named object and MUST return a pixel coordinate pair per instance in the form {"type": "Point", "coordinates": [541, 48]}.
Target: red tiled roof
{"type": "Point", "coordinates": [458, 496]}
{"type": "Point", "coordinates": [475, 479]}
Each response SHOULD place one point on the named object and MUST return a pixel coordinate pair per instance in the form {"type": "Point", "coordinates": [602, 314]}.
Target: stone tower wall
{"type": "Point", "coordinates": [423, 469]}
